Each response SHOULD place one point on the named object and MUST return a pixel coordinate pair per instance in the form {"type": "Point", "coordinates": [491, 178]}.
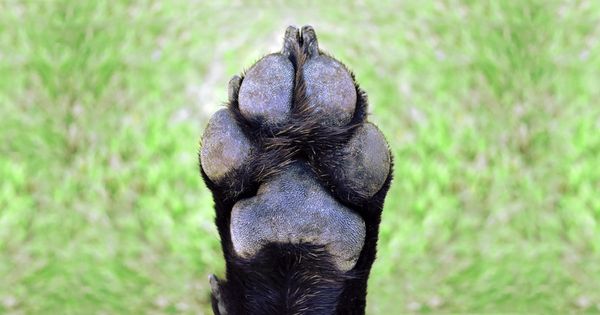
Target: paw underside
{"type": "Point", "coordinates": [292, 159]}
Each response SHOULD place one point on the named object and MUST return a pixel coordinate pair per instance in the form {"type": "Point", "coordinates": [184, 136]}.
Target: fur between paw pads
{"type": "Point", "coordinates": [296, 129]}
{"type": "Point", "coordinates": [265, 96]}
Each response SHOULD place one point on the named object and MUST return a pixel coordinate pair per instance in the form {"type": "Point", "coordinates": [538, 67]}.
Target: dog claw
{"type": "Point", "coordinates": [233, 87]}
{"type": "Point", "coordinates": [309, 41]}
{"type": "Point", "coordinates": [291, 40]}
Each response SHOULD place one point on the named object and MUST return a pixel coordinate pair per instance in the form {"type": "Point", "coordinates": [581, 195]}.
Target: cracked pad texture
{"type": "Point", "coordinates": [294, 208]}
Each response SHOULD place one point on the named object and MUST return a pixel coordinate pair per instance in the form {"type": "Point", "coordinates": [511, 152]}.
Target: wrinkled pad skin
{"type": "Point", "coordinates": [224, 146]}
{"type": "Point", "coordinates": [294, 208]}
{"type": "Point", "coordinates": [365, 161]}
{"type": "Point", "coordinates": [330, 89]}
{"type": "Point", "coordinates": [298, 202]}
{"type": "Point", "coordinates": [266, 91]}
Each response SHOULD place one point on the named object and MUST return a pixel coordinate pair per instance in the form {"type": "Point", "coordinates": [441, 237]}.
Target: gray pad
{"type": "Point", "coordinates": [365, 161]}
{"type": "Point", "coordinates": [266, 91]}
{"type": "Point", "coordinates": [224, 146]}
{"type": "Point", "coordinates": [330, 89]}
{"type": "Point", "coordinates": [294, 208]}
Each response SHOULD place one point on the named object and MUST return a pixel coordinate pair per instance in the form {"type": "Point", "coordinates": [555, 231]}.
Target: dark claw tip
{"type": "Point", "coordinates": [309, 41]}
{"type": "Point", "coordinates": [233, 87]}
{"type": "Point", "coordinates": [290, 40]}
{"type": "Point", "coordinates": [214, 284]}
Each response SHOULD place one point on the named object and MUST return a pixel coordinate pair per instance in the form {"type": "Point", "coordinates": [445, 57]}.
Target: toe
{"type": "Point", "coordinates": [266, 91]}
{"type": "Point", "coordinates": [330, 89]}
{"type": "Point", "coordinates": [224, 146]}
{"type": "Point", "coordinates": [366, 162]}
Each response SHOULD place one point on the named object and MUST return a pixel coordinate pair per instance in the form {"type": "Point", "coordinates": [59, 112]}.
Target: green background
{"type": "Point", "coordinates": [490, 107]}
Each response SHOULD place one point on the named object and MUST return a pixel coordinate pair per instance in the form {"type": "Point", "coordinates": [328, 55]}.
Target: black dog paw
{"type": "Point", "coordinates": [298, 177]}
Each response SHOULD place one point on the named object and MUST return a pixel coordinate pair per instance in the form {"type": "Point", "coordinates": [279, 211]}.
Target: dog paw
{"type": "Point", "coordinates": [293, 155]}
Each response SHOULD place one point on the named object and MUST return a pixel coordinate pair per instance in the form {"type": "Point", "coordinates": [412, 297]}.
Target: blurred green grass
{"type": "Point", "coordinates": [490, 108]}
